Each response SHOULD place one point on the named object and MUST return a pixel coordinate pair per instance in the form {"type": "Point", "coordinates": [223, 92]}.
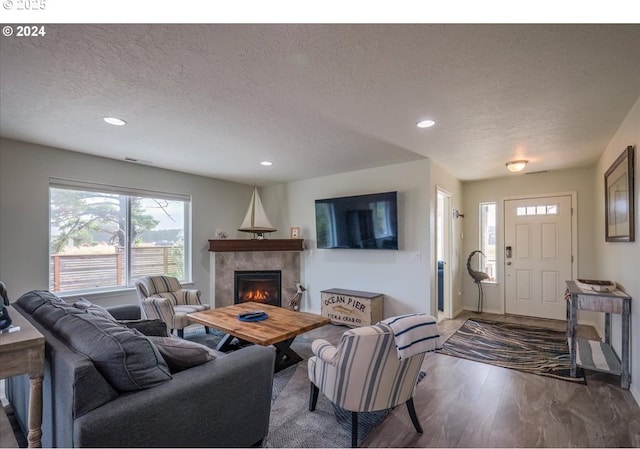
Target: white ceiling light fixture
{"type": "Point", "coordinates": [114, 121]}
{"type": "Point", "coordinates": [516, 166]}
{"type": "Point", "coordinates": [426, 123]}
{"type": "Point", "coordinates": [266, 163]}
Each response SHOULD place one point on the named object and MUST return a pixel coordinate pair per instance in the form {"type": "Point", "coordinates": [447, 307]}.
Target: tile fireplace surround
{"type": "Point", "coordinates": [226, 257]}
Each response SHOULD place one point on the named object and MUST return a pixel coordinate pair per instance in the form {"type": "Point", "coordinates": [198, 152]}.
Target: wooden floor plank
{"type": "Point", "coordinates": [7, 439]}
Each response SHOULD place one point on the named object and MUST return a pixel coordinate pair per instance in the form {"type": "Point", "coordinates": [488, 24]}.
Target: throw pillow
{"type": "Point", "coordinates": [125, 357]}
{"type": "Point", "coordinates": [182, 354]}
{"type": "Point", "coordinates": [94, 309]}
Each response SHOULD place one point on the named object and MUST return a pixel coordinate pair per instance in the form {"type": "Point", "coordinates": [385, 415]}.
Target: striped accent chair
{"type": "Point", "coordinates": [363, 374]}
{"type": "Point", "coordinates": [162, 297]}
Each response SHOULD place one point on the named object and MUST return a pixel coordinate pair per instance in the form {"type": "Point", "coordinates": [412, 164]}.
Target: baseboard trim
{"type": "Point", "coordinates": [473, 309]}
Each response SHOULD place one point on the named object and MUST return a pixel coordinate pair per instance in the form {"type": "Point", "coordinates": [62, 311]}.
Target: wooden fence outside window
{"type": "Point", "coordinates": [88, 271]}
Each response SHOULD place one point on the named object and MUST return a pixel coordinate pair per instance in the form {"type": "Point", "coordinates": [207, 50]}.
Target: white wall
{"type": "Point", "coordinates": [25, 170]}
{"type": "Point", "coordinates": [620, 261]}
{"type": "Point", "coordinates": [578, 180]}
{"type": "Point", "coordinates": [406, 283]}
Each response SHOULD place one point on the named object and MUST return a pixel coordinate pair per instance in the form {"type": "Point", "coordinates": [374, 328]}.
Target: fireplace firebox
{"type": "Point", "coordinates": [258, 286]}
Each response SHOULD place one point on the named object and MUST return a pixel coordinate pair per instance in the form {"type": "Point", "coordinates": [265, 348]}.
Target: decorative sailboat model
{"type": "Point", "coordinates": [256, 220]}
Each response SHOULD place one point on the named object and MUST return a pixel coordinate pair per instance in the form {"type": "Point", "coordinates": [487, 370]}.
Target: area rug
{"type": "Point", "coordinates": [291, 423]}
{"type": "Point", "coordinates": [534, 350]}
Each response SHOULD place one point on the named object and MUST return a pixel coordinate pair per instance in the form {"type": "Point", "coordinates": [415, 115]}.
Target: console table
{"type": "Point", "coordinates": [22, 352]}
{"type": "Point", "coordinates": [595, 355]}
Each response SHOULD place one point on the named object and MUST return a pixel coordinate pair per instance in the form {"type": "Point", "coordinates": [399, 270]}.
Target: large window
{"type": "Point", "coordinates": [105, 237]}
{"type": "Point", "coordinates": [488, 239]}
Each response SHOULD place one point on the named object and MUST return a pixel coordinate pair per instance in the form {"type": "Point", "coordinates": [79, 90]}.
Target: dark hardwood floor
{"type": "Point", "coordinates": [462, 403]}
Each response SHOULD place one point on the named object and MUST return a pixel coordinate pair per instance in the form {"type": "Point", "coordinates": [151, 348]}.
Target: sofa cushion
{"type": "Point", "coordinates": [182, 354]}
{"type": "Point", "coordinates": [125, 311]}
{"type": "Point", "coordinates": [124, 357]}
{"type": "Point", "coordinates": [32, 300]}
{"type": "Point", "coordinates": [150, 328]}
{"type": "Point", "coordinates": [94, 309]}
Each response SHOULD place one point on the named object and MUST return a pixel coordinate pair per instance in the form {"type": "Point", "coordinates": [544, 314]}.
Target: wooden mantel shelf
{"type": "Point", "coordinates": [229, 245]}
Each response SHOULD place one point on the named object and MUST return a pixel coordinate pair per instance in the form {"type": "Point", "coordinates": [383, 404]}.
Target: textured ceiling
{"type": "Point", "coordinates": [316, 100]}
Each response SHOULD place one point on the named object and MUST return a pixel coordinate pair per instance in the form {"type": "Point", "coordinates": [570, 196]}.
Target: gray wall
{"type": "Point", "coordinates": [25, 170]}
{"type": "Point", "coordinates": [620, 261]}
{"type": "Point", "coordinates": [597, 259]}
{"type": "Point", "coordinates": [562, 181]}
{"type": "Point", "coordinates": [405, 282]}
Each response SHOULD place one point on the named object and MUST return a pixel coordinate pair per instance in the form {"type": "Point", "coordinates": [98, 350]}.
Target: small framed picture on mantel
{"type": "Point", "coordinates": [295, 233]}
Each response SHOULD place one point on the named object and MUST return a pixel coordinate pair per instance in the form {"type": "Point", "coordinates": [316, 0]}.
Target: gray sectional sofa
{"type": "Point", "coordinates": [89, 402]}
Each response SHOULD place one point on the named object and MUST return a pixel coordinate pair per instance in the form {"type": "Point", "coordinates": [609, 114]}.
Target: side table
{"type": "Point", "coordinates": [582, 353]}
{"type": "Point", "coordinates": [22, 352]}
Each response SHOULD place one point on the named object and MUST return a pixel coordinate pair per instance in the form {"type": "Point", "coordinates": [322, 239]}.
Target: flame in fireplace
{"type": "Point", "coordinates": [258, 295]}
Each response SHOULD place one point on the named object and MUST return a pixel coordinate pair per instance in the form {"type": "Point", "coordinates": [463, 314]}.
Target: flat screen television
{"type": "Point", "coordinates": [362, 221]}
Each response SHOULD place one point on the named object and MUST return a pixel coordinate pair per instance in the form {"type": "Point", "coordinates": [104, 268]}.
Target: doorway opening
{"type": "Point", "coordinates": [443, 254]}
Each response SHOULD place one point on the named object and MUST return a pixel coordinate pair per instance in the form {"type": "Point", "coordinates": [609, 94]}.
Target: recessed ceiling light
{"type": "Point", "coordinates": [266, 163]}
{"type": "Point", "coordinates": [114, 121]}
{"type": "Point", "coordinates": [425, 123]}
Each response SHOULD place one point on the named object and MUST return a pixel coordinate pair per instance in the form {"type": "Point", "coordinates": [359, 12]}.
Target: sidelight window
{"type": "Point", "coordinates": [488, 239]}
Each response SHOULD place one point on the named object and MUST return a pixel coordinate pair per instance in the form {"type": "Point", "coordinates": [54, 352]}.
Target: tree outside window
{"type": "Point", "coordinates": [104, 240]}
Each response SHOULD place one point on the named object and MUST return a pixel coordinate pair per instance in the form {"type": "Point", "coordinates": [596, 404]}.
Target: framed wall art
{"type": "Point", "coordinates": [619, 198]}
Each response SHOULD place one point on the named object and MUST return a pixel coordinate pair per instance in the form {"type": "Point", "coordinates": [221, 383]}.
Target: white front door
{"type": "Point", "coordinates": [537, 255]}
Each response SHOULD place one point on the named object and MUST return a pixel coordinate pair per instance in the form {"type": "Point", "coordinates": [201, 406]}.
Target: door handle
{"type": "Point", "coordinates": [509, 263]}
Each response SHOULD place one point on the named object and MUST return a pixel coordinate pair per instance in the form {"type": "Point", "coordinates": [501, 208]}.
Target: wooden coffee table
{"type": "Point", "coordinates": [279, 329]}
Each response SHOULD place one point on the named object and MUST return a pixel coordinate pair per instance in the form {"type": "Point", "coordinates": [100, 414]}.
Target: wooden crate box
{"type": "Point", "coordinates": [352, 308]}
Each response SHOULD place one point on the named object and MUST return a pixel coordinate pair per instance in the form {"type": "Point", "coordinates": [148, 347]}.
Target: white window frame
{"type": "Point", "coordinates": [483, 261]}
{"type": "Point", "coordinates": [129, 192]}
